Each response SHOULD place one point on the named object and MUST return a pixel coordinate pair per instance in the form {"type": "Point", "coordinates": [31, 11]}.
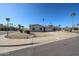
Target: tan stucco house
{"type": "Point", "coordinates": [41, 28]}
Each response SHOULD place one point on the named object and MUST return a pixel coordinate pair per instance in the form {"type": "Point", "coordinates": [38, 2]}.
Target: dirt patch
{"type": "Point", "coordinates": [42, 34]}
{"type": "Point", "coordinates": [18, 35]}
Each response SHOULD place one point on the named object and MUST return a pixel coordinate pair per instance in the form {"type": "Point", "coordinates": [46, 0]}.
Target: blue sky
{"type": "Point", "coordinates": [27, 14]}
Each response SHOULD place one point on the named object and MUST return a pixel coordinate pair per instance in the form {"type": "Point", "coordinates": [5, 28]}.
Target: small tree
{"type": "Point", "coordinates": [19, 26]}
{"type": "Point", "coordinates": [72, 15]}
{"type": "Point", "coordinates": [7, 19]}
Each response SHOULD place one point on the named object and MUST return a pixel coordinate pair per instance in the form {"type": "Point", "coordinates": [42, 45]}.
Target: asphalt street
{"type": "Point", "coordinates": [67, 47]}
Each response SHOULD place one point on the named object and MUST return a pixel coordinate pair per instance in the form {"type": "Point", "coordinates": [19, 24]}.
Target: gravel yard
{"type": "Point", "coordinates": [18, 35]}
{"type": "Point", "coordinates": [13, 43]}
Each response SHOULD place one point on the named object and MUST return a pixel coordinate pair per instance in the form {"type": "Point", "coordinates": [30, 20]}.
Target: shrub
{"type": "Point", "coordinates": [66, 28]}
{"type": "Point", "coordinates": [75, 28]}
{"type": "Point", "coordinates": [27, 31]}
{"type": "Point", "coordinates": [21, 31]}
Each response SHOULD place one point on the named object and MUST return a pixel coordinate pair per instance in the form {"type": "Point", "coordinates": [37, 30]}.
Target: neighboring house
{"type": "Point", "coordinates": [49, 28]}
{"type": "Point", "coordinates": [41, 28]}
{"type": "Point", "coordinates": [36, 28]}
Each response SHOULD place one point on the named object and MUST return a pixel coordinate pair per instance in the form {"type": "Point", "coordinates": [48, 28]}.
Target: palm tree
{"type": "Point", "coordinates": [7, 19]}
{"type": "Point", "coordinates": [19, 26]}
{"type": "Point", "coordinates": [72, 15]}
{"type": "Point", "coordinates": [22, 27]}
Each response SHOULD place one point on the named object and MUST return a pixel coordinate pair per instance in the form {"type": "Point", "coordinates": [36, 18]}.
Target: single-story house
{"type": "Point", "coordinates": [41, 28]}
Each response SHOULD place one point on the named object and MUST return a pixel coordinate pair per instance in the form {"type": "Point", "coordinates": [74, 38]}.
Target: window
{"type": "Point", "coordinates": [33, 28]}
{"type": "Point", "coordinates": [40, 28]}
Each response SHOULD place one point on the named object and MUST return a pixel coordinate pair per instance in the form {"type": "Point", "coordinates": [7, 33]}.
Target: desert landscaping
{"type": "Point", "coordinates": [17, 40]}
{"type": "Point", "coordinates": [39, 29]}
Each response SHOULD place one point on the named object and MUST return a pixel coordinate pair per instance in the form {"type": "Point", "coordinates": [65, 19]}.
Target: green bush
{"type": "Point", "coordinates": [5, 28]}
{"type": "Point", "coordinates": [21, 31]}
{"type": "Point", "coordinates": [67, 29]}
{"type": "Point", "coordinates": [27, 31]}
{"type": "Point", "coordinates": [75, 28]}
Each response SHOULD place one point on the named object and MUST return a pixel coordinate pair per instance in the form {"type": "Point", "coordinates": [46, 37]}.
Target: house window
{"type": "Point", "coordinates": [33, 28]}
{"type": "Point", "coordinates": [40, 28]}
